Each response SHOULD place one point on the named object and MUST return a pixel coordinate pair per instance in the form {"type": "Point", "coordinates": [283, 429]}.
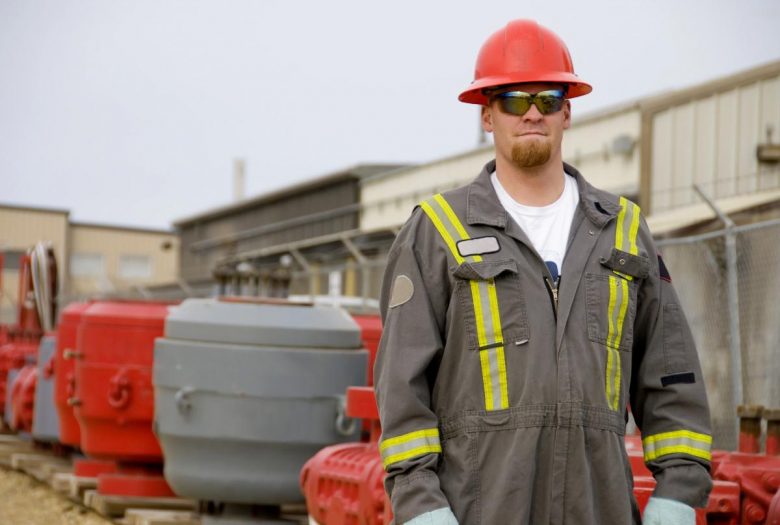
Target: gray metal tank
{"type": "Point", "coordinates": [245, 393]}
{"type": "Point", "coordinates": [46, 422]}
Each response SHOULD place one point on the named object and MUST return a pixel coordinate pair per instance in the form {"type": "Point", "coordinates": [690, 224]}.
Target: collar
{"type": "Point", "coordinates": [483, 206]}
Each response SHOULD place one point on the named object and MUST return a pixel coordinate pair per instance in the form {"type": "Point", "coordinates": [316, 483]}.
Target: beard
{"type": "Point", "coordinates": [531, 153]}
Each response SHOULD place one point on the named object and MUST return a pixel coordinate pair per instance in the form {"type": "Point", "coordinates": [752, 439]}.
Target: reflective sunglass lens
{"type": "Point", "coordinates": [515, 105]}
{"type": "Point", "coordinates": [519, 102]}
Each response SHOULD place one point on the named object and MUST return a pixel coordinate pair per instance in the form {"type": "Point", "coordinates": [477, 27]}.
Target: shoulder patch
{"type": "Point", "coordinates": [403, 289]}
{"type": "Point", "coordinates": [478, 246]}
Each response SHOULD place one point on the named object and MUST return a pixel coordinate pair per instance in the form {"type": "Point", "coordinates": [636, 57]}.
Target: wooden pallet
{"type": "Point", "coordinates": [160, 517]}
{"type": "Point", "coordinates": [112, 506]}
{"type": "Point", "coordinates": [60, 482]}
{"type": "Point", "coordinates": [40, 466]}
{"type": "Point", "coordinates": [11, 444]}
{"type": "Point", "coordinates": [78, 486]}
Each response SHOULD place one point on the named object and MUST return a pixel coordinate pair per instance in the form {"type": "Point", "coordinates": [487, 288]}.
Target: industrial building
{"type": "Point", "coordinates": [92, 259]}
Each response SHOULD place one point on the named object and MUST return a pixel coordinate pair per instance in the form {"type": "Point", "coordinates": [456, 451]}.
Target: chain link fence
{"type": "Point", "coordinates": [699, 266]}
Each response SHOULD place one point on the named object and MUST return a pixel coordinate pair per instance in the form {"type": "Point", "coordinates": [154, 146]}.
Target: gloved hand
{"type": "Point", "coordinates": [662, 511]}
{"type": "Point", "coordinates": [442, 516]}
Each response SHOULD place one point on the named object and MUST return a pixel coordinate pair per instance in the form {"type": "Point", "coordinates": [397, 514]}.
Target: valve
{"type": "Point", "coordinates": [72, 354]}
{"type": "Point", "coordinates": [119, 391]}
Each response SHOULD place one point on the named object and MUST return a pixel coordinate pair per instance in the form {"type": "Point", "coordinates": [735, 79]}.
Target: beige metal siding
{"type": "Point", "coordinates": [112, 244]}
{"type": "Point", "coordinates": [20, 229]}
{"type": "Point", "coordinates": [388, 200]}
{"type": "Point", "coordinates": [711, 141]}
{"type": "Point", "coordinates": [589, 145]}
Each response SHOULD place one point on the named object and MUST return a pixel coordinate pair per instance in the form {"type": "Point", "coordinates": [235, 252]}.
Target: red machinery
{"type": "Point", "coordinates": [114, 401]}
{"type": "Point", "coordinates": [343, 484]}
{"type": "Point", "coordinates": [22, 339]}
{"type": "Point", "coordinates": [23, 399]}
{"type": "Point", "coordinates": [65, 372]}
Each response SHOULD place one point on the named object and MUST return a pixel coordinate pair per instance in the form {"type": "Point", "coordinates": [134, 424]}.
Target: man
{"type": "Point", "coordinates": [522, 314]}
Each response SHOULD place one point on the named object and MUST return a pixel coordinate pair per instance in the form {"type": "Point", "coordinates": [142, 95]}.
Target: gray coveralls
{"type": "Point", "coordinates": [504, 395]}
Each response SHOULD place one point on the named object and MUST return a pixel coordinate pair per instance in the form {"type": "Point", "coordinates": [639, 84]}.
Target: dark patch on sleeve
{"type": "Point", "coordinates": [675, 379]}
{"type": "Point", "coordinates": [664, 271]}
{"type": "Point", "coordinates": [601, 208]}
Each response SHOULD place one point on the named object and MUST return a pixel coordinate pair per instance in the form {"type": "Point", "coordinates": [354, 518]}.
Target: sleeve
{"type": "Point", "coordinates": [668, 398]}
{"type": "Point", "coordinates": [410, 347]}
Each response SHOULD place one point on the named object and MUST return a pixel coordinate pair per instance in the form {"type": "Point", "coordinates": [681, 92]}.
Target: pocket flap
{"type": "Point", "coordinates": [484, 270]}
{"type": "Point", "coordinates": [634, 265]}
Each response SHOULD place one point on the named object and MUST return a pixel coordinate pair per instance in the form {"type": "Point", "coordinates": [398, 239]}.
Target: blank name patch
{"type": "Point", "coordinates": [478, 246]}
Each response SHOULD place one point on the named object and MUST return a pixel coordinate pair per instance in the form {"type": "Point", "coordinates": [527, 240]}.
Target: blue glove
{"type": "Point", "coordinates": [662, 511]}
{"type": "Point", "coordinates": [442, 516]}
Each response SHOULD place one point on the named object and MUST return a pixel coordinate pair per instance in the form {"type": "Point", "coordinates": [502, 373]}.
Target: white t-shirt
{"type": "Point", "coordinates": [547, 227]}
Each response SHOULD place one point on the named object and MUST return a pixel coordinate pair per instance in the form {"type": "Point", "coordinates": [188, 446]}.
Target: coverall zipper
{"type": "Point", "coordinates": [553, 291]}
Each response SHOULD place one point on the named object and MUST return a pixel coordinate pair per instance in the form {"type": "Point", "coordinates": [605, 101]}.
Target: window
{"type": "Point", "coordinates": [135, 267]}
{"type": "Point", "coordinates": [87, 265]}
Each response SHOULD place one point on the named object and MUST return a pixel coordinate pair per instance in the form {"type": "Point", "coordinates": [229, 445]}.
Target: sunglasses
{"type": "Point", "coordinates": [519, 102]}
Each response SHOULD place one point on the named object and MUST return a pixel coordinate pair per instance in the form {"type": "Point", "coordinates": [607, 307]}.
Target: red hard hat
{"type": "Point", "coordinates": [523, 51]}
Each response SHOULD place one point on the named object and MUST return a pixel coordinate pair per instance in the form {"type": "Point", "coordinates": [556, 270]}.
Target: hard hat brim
{"type": "Point", "coordinates": [474, 94]}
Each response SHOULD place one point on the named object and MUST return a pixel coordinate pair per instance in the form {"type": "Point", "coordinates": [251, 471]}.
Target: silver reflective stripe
{"type": "Point", "coordinates": [448, 225]}
{"type": "Point", "coordinates": [677, 442]}
{"type": "Point", "coordinates": [495, 377]}
{"type": "Point", "coordinates": [409, 445]}
{"type": "Point", "coordinates": [487, 312]}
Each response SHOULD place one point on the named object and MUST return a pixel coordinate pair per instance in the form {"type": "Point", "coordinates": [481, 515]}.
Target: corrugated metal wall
{"type": "Point", "coordinates": [205, 242]}
{"type": "Point", "coordinates": [711, 141]}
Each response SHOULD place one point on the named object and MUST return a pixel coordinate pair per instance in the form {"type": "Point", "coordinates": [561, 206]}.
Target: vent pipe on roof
{"type": "Point", "coordinates": [239, 179]}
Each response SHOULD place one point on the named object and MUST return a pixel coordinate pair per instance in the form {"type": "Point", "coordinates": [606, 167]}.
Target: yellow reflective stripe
{"type": "Point", "coordinates": [495, 311]}
{"type": "Point", "coordinates": [406, 446]}
{"type": "Point", "coordinates": [478, 313]}
{"type": "Point", "coordinates": [452, 217]}
{"type": "Point", "coordinates": [677, 442]}
{"type": "Point", "coordinates": [633, 249]}
{"type": "Point", "coordinates": [411, 436]}
{"type": "Point", "coordinates": [484, 360]}
{"type": "Point", "coordinates": [502, 377]}
{"type": "Point", "coordinates": [419, 451]}
{"type": "Point", "coordinates": [442, 230]}
{"type": "Point", "coordinates": [626, 231]}
{"type": "Point", "coordinates": [620, 220]}
{"type": "Point", "coordinates": [484, 298]}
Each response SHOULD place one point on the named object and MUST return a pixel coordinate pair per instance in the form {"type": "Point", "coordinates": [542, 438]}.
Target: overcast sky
{"type": "Point", "coordinates": [131, 112]}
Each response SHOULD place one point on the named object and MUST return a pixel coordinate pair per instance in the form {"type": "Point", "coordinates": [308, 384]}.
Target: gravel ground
{"type": "Point", "coordinates": [25, 501]}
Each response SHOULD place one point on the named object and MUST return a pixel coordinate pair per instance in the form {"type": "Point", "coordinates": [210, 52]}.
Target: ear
{"type": "Point", "coordinates": [487, 119]}
{"type": "Point", "coordinates": [567, 114]}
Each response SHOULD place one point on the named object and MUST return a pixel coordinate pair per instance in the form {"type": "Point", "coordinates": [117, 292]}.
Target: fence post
{"type": "Point", "coordinates": [732, 297]}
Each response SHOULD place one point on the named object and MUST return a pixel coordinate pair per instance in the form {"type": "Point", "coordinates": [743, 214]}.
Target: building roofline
{"type": "Point", "coordinates": [662, 101]}
{"type": "Point", "coordinates": [355, 172]}
{"type": "Point", "coordinates": [115, 227]}
{"type": "Point", "coordinates": [38, 209]}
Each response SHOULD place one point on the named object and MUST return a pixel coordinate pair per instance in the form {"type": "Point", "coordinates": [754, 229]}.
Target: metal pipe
{"type": "Point", "coordinates": [733, 298]}
{"type": "Point", "coordinates": [749, 428]}
{"type": "Point", "coordinates": [772, 417]}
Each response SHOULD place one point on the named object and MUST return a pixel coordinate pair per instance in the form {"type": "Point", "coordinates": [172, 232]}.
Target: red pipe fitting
{"type": "Point", "coordinates": [772, 416]}
{"type": "Point", "coordinates": [749, 428]}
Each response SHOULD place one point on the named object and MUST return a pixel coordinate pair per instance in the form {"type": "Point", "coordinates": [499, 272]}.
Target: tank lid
{"type": "Point", "coordinates": [136, 313]}
{"type": "Point", "coordinates": [73, 311]}
{"type": "Point", "coordinates": [273, 323]}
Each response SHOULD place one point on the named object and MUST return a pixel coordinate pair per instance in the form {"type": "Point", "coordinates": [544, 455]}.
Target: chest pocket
{"type": "Point", "coordinates": [492, 299]}
{"type": "Point", "coordinates": [481, 286]}
{"type": "Point", "coordinates": [611, 298]}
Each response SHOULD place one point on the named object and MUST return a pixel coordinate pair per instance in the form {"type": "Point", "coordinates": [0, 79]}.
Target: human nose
{"type": "Point", "coordinates": [533, 114]}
